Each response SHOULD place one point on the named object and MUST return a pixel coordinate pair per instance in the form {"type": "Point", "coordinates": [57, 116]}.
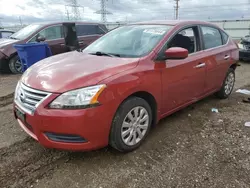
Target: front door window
{"type": "Point", "coordinates": [50, 33]}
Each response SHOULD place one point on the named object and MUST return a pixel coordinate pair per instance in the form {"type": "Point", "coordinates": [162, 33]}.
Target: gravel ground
{"type": "Point", "coordinates": [191, 148]}
{"type": "Point", "coordinates": [7, 84]}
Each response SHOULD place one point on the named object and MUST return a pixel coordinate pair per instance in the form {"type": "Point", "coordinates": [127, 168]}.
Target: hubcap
{"type": "Point", "coordinates": [135, 126]}
{"type": "Point", "coordinates": [18, 65]}
{"type": "Point", "coordinates": [229, 83]}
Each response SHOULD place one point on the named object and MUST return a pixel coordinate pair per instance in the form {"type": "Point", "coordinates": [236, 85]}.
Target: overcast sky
{"type": "Point", "coordinates": [131, 10]}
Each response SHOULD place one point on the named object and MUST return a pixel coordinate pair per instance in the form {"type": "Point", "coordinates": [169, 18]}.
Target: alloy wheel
{"type": "Point", "coordinates": [229, 84]}
{"type": "Point", "coordinates": [135, 126]}
{"type": "Point", "coordinates": [18, 65]}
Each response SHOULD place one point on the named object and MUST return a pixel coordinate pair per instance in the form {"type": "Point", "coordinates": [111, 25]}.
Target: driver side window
{"type": "Point", "coordinates": [187, 39]}
{"type": "Point", "coordinates": [50, 33]}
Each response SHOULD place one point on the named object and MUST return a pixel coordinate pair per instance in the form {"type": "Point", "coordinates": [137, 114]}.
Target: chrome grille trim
{"type": "Point", "coordinates": [28, 99]}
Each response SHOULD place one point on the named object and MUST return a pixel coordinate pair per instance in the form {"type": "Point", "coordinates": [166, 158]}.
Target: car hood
{"type": "Point", "coordinates": [73, 70]}
{"type": "Point", "coordinates": [4, 42]}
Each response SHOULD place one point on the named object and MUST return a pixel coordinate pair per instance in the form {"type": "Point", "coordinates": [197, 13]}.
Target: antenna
{"type": "Point", "coordinates": [75, 9]}
{"type": "Point", "coordinates": [103, 11]}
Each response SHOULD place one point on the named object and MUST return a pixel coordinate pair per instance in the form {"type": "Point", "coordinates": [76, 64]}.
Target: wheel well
{"type": "Point", "coordinates": [233, 66]}
{"type": "Point", "coordinates": [151, 101]}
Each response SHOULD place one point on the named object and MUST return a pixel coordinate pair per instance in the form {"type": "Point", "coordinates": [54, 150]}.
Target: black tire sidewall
{"type": "Point", "coordinates": [12, 67]}
{"type": "Point", "coordinates": [115, 138]}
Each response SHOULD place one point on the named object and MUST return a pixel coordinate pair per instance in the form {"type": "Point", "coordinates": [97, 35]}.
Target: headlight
{"type": "Point", "coordinates": [16, 90]}
{"type": "Point", "coordinates": [79, 98]}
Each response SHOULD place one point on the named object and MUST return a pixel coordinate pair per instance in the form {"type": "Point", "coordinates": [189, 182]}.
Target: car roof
{"type": "Point", "coordinates": [63, 22]}
{"type": "Point", "coordinates": [7, 30]}
{"type": "Point", "coordinates": [175, 22]}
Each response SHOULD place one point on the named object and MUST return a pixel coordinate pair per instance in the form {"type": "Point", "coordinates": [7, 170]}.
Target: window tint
{"type": "Point", "coordinates": [224, 37]}
{"type": "Point", "coordinates": [100, 31]}
{"type": "Point", "coordinates": [82, 30]}
{"type": "Point", "coordinates": [6, 34]}
{"type": "Point", "coordinates": [185, 39]}
{"type": "Point", "coordinates": [52, 33]}
{"type": "Point", "coordinates": [211, 36]}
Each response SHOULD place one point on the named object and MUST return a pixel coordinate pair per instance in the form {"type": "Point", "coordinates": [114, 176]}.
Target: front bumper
{"type": "Point", "coordinates": [84, 129]}
{"type": "Point", "coordinates": [244, 54]}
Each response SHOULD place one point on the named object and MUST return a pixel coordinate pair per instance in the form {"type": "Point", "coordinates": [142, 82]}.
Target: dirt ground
{"type": "Point", "coordinates": [191, 148]}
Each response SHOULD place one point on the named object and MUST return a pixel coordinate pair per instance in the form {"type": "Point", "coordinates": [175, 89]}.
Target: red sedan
{"type": "Point", "coordinates": [121, 85]}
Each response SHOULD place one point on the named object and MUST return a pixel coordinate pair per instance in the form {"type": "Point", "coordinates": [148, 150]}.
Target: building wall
{"type": "Point", "coordinates": [235, 28]}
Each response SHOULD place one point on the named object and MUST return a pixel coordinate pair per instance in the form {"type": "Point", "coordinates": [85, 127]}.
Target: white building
{"type": "Point", "coordinates": [235, 28]}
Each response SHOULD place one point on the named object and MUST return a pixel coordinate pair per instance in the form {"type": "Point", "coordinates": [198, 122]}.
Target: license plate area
{"type": "Point", "coordinates": [20, 115]}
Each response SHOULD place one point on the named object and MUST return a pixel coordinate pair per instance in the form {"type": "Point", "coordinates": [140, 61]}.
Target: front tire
{"type": "Point", "coordinates": [130, 125]}
{"type": "Point", "coordinates": [228, 85]}
{"type": "Point", "coordinates": [15, 65]}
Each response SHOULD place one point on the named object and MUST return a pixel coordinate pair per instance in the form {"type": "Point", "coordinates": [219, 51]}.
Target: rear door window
{"type": "Point", "coordinates": [224, 37]}
{"type": "Point", "coordinates": [211, 37]}
{"type": "Point", "coordinates": [83, 30]}
{"type": "Point", "coordinates": [52, 33]}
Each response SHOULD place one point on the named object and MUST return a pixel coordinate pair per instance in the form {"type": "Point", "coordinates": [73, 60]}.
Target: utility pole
{"type": "Point", "coordinates": [20, 21]}
{"type": "Point", "coordinates": [67, 13]}
{"type": "Point", "coordinates": [103, 12]}
{"type": "Point", "coordinates": [176, 9]}
{"type": "Point", "coordinates": [74, 9]}
{"type": "Point", "coordinates": [1, 22]}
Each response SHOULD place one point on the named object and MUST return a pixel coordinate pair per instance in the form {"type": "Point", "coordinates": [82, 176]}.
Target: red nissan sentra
{"type": "Point", "coordinates": [121, 85]}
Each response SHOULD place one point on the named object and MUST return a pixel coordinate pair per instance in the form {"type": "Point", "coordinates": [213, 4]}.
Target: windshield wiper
{"type": "Point", "coordinates": [105, 54]}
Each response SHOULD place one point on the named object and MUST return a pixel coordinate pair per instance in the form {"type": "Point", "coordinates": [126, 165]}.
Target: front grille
{"type": "Point", "coordinates": [247, 47]}
{"type": "Point", "coordinates": [28, 99]}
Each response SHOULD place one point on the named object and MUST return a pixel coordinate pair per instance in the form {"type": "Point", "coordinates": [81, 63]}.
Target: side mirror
{"type": "Point", "coordinates": [176, 53]}
{"type": "Point", "coordinates": [40, 38]}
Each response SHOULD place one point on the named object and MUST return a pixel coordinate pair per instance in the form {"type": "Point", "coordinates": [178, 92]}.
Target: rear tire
{"type": "Point", "coordinates": [15, 65]}
{"type": "Point", "coordinates": [130, 125]}
{"type": "Point", "coordinates": [228, 85]}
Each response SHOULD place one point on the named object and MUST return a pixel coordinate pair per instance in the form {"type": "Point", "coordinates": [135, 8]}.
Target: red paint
{"type": "Point", "coordinates": [174, 84]}
{"type": "Point", "coordinates": [176, 53]}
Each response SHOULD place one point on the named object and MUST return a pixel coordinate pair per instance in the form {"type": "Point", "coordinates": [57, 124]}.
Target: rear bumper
{"type": "Point", "coordinates": [244, 54]}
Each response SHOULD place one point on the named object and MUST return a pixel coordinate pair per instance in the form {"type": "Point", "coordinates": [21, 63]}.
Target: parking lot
{"type": "Point", "coordinates": [192, 148]}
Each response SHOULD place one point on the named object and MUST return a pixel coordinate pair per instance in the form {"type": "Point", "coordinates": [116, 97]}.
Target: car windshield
{"type": "Point", "coordinates": [129, 41]}
{"type": "Point", "coordinates": [25, 32]}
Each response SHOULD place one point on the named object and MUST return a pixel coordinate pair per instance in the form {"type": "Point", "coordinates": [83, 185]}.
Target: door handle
{"type": "Point", "coordinates": [200, 65]}
{"type": "Point", "coordinates": [227, 57]}
{"type": "Point", "coordinates": [81, 42]}
{"type": "Point", "coordinates": [62, 44]}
